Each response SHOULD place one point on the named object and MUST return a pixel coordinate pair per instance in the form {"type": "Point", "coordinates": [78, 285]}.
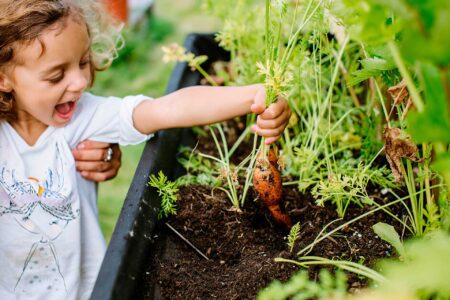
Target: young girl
{"type": "Point", "coordinates": [51, 246]}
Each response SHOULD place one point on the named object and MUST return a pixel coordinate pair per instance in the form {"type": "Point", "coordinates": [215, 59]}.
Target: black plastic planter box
{"type": "Point", "coordinates": [130, 246]}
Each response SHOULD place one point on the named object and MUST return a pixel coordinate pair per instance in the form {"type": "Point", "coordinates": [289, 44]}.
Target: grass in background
{"type": "Point", "coordinates": [140, 70]}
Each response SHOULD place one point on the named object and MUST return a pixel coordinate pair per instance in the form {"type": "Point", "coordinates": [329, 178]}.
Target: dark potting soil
{"type": "Point", "coordinates": [241, 246]}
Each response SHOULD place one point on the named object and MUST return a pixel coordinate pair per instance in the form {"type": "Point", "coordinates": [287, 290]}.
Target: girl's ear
{"type": "Point", "coordinates": [5, 83]}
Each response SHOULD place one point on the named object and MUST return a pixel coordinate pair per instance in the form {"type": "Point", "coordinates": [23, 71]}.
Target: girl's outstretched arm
{"type": "Point", "coordinates": [202, 105]}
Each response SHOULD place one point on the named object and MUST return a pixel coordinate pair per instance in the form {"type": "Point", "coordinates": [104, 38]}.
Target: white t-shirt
{"type": "Point", "coordinates": [51, 246]}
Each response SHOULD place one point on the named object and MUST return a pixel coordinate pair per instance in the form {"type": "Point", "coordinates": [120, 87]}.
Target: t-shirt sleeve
{"type": "Point", "coordinates": [105, 119]}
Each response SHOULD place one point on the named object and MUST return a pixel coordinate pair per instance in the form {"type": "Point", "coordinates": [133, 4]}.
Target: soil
{"type": "Point", "coordinates": [241, 246]}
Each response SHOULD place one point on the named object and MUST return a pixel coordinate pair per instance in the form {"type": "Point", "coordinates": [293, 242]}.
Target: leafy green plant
{"type": "Point", "coordinates": [168, 190]}
{"type": "Point", "coordinates": [293, 236]}
{"type": "Point", "coordinates": [227, 172]}
{"type": "Point", "coordinates": [291, 52]}
{"type": "Point", "coordinates": [387, 233]}
{"type": "Point", "coordinates": [342, 190]}
{"type": "Point", "coordinates": [199, 170]}
{"type": "Point", "coordinates": [299, 286]}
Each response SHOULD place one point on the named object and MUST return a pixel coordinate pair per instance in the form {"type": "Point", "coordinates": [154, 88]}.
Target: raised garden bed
{"type": "Point", "coordinates": [147, 260]}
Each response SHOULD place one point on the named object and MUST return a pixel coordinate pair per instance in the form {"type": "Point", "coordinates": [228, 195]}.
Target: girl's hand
{"type": "Point", "coordinates": [91, 160]}
{"type": "Point", "coordinates": [271, 121]}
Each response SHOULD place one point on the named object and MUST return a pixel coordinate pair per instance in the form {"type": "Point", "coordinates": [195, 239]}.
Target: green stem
{"type": "Point", "coordinates": [293, 39]}
{"type": "Point", "coordinates": [239, 141]}
{"type": "Point", "coordinates": [250, 168]}
{"type": "Point", "coordinates": [415, 215]}
{"type": "Point", "coordinates": [345, 265]}
{"type": "Point", "coordinates": [327, 102]}
{"type": "Point", "coordinates": [383, 105]}
{"type": "Point", "coordinates": [267, 30]}
{"type": "Point", "coordinates": [310, 246]}
{"type": "Point", "coordinates": [206, 75]}
{"type": "Point", "coordinates": [415, 96]}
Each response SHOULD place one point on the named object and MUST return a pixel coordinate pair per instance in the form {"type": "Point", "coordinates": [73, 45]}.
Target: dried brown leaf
{"type": "Point", "coordinates": [398, 146]}
{"type": "Point", "coordinates": [399, 93]}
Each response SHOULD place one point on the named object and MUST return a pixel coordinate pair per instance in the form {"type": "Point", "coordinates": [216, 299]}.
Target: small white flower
{"type": "Point", "coordinates": [173, 53]}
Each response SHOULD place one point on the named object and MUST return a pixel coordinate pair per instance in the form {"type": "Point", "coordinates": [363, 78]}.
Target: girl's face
{"type": "Point", "coordinates": [53, 72]}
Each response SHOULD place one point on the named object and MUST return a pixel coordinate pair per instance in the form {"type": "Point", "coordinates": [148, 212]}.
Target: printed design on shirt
{"type": "Point", "coordinates": [22, 196]}
{"type": "Point", "coordinates": [25, 195]}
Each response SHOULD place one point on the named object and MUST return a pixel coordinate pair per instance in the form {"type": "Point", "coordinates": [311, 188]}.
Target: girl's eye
{"type": "Point", "coordinates": [85, 62]}
{"type": "Point", "coordinates": [57, 78]}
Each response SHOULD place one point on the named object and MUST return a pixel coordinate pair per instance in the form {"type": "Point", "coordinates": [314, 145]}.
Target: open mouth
{"type": "Point", "coordinates": [65, 110]}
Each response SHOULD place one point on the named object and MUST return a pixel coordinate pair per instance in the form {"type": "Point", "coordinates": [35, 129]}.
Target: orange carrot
{"type": "Point", "coordinates": [268, 185]}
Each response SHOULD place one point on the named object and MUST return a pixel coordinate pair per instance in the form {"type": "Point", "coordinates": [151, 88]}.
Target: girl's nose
{"type": "Point", "coordinates": [79, 81]}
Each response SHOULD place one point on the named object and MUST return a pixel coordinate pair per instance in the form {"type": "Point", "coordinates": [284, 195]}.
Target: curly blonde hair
{"type": "Point", "coordinates": [22, 22]}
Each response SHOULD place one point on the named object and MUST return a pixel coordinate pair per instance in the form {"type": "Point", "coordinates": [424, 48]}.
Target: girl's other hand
{"type": "Point", "coordinates": [271, 121]}
{"type": "Point", "coordinates": [91, 160]}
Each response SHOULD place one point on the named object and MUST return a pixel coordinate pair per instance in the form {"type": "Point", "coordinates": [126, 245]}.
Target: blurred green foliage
{"type": "Point", "coordinates": [138, 68]}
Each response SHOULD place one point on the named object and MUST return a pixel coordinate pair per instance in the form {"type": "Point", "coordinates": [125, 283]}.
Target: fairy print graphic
{"type": "Point", "coordinates": [24, 196]}
{"type": "Point", "coordinates": [43, 209]}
